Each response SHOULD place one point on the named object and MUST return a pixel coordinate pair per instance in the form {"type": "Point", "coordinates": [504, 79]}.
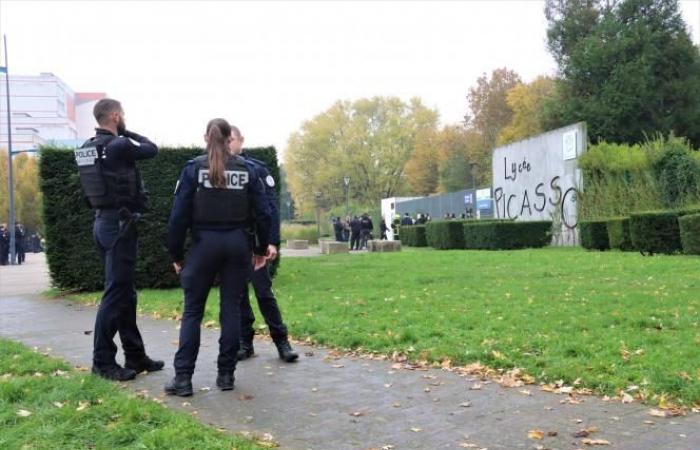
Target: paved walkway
{"type": "Point", "coordinates": [326, 403]}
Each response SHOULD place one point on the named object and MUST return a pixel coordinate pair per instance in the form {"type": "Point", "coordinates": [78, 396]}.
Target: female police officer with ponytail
{"type": "Point", "coordinates": [220, 199]}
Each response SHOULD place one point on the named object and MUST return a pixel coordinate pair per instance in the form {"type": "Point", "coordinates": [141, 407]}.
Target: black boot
{"type": "Point", "coordinates": [224, 381]}
{"type": "Point", "coordinates": [115, 372]}
{"type": "Point", "coordinates": [180, 385]}
{"type": "Point", "coordinates": [285, 350]}
{"type": "Point", "coordinates": [144, 364]}
{"type": "Point", "coordinates": [246, 350]}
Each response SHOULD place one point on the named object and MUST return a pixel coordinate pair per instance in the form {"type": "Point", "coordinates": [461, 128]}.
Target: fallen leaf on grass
{"type": "Point", "coordinates": [357, 414]}
{"type": "Point", "coordinates": [525, 392]}
{"type": "Point", "coordinates": [475, 387]}
{"type": "Point", "coordinates": [535, 434]}
{"type": "Point", "coordinates": [416, 429]}
{"type": "Point", "coordinates": [465, 404]}
{"type": "Point", "coordinates": [82, 405]}
{"type": "Point", "coordinates": [186, 404]}
{"type": "Point", "coordinates": [209, 324]}
{"type": "Point", "coordinates": [58, 404]}
{"type": "Point", "coordinates": [626, 398]}
{"type": "Point", "coordinates": [24, 413]}
{"type": "Point", "coordinates": [649, 422]}
{"type": "Point", "coordinates": [81, 369]}
{"type": "Point", "coordinates": [595, 442]}
{"type": "Point", "coordinates": [337, 366]}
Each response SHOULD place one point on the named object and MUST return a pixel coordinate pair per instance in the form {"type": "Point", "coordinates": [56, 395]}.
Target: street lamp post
{"type": "Point", "coordinates": [289, 210]}
{"type": "Point", "coordinates": [317, 194]}
{"type": "Point", "coordinates": [346, 180]}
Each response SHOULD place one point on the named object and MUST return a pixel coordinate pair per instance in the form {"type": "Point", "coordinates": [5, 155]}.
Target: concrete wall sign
{"type": "Point", "coordinates": [537, 179]}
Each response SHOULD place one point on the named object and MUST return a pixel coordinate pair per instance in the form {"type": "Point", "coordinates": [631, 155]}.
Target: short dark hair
{"type": "Point", "coordinates": [104, 108]}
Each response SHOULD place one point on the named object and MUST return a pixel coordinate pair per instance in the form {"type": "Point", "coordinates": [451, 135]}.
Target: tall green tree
{"type": "Point", "coordinates": [629, 71]}
{"type": "Point", "coordinates": [369, 140]}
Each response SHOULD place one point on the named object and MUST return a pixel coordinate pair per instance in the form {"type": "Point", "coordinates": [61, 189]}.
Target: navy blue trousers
{"type": "Point", "coordinates": [117, 310]}
{"type": "Point", "coordinates": [228, 254]}
{"type": "Point", "coordinates": [262, 284]}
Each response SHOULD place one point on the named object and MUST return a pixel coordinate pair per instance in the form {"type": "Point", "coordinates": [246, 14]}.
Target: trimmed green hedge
{"type": "Point", "coordinates": [414, 236]}
{"type": "Point", "coordinates": [655, 232]}
{"type": "Point", "coordinates": [506, 234]}
{"type": "Point", "coordinates": [72, 256]}
{"type": "Point", "coordinates": [444, 234]}
{"type": "Point", "coordinates": [689, 226]}
{"type": "Point", "coordinates": [594, 234]}
{"type": "Point", "coordinates": [619, 234]}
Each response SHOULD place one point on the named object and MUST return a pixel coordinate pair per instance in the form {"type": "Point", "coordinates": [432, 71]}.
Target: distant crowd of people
{"type": "Point", "coordinates": [357, 230]}
{"type": "Point", "coordinates": [24, 243]}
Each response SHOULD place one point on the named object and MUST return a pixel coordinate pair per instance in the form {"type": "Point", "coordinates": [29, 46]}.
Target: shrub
{"type": "Point", "coordinates": [73, 259]}
{"type": "Point", "coordinates": [594, 234]}
{"type": "Point", "coordinates": [619, 234]}
{"type": "Point", "coordinates": [677, 172]}
{"type": "Point", "coordinates": [689, 226]}
{"type": "Point", "coordinates": [414, 236]}
{"type": "Point", "coordinates": [307, 232]}
{"type": "Point", "coordinates": [444, 234]}
{"type": "Point", "coordinates": [506, 234]}
{"type": "Point", "coordinates": [655, 232]}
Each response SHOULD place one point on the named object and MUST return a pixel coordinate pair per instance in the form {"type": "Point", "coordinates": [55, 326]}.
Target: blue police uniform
{"type": "Point", "coordinates": [117, 196]}
{"type": "Point", "coordinates": [262, 283]}
{"type": "Point", "coordinates": [221, 246]}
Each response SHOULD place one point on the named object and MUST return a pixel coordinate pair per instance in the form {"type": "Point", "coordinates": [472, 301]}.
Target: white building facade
{"type": "Point", "coordinates": [45, 110]}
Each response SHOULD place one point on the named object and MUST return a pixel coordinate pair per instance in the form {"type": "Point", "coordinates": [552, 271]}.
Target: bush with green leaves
{"type": "Point", "coordinates": [506, 234]}
{"type": "Point", "coordinates": [677, 172]}
{"type": "Point", "coordinates": [655, 232]}
{"type": "Point", "coordinates": [444, 234]}
{"type": "Point", "coordinates": [414, 236]}
{"type": "Point", "coordinates": [619, 234]}
{"type": "Point", "coordinates": [621, 179]}
{"type": "Point", "coordinates": [594, 234]}
{"type": "Point", "coordinates": [73, 260]}
{"type": "Point", "coordinates": [689, 226]}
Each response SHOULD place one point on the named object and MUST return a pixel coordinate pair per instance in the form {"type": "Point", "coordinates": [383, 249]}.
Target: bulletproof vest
{"type": "Point", "coordinates": [106, 187]}
{"type": "Point", "coordinates": [222, 207]}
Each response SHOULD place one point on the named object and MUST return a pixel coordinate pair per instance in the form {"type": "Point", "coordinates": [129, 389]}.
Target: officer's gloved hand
{"type": "Point", "coordinates": [135, 136]}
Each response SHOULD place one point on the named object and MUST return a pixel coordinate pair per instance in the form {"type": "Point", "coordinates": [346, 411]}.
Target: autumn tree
{"type": "Point", "coordinates": [489, 111]}
{"type": "Point", "coordinates": [527, 101]}
{"type": "Point", "coordinates": [422, 168]}
{"type": "Point", "coordinates": [369, 140]}
{"type": "Point", "coordinates": [28, 201]}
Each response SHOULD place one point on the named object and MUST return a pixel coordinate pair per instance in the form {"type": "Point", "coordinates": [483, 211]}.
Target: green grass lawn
{"type": "Point", "coordinates": [45, 404]}
{"type": "Point", "coordinates": [610, 319]}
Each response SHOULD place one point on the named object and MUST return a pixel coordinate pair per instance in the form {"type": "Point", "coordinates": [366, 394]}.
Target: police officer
{"type": "Point", "coordinates": [218, 197]}
{"type": "Point", "coordinates": [366, 227]}
{"type": "Point", "coordinates": [113, 187]}
{"type": "Point", "coordinates": [4, 245]}
{"type": "Point", "coordinates": [355, 229]}
{"type": "Point", "coordinates": [261, 280]}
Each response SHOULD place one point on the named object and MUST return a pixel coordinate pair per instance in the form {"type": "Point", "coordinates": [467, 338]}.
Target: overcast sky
{"type": "Point", "coordinates": [268, 66]}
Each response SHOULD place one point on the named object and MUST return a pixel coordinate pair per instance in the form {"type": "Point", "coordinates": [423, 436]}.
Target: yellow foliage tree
{"type": "Point", "coordinates": [527, 100]}
{"type": "Point", "coordinates": [28, 200]}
